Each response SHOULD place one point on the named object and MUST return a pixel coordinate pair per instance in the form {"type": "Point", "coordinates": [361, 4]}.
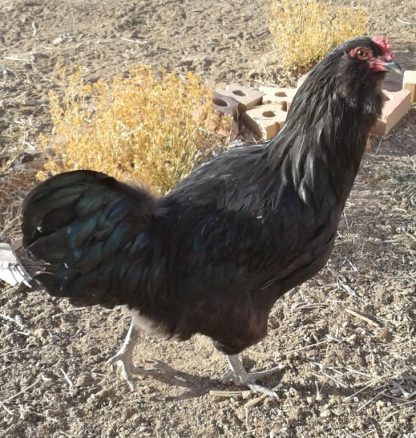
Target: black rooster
{"type": "Point", "coordinates": [214, 254]}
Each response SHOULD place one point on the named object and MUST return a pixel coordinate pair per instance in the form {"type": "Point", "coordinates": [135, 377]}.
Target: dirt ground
{"type": "Point", "coordinates": [347, 337]}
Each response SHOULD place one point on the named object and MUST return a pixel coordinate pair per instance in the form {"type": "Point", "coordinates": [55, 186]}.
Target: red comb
{"type": "Point", "coordinates": [383, 43]}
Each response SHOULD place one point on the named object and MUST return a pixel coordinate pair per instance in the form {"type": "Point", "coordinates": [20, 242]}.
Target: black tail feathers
{"type": "Point", "coordinates": [81, 223]}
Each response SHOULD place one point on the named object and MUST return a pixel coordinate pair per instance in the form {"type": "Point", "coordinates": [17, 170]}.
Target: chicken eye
{"type": "Point", "coordinates": [362, 54]}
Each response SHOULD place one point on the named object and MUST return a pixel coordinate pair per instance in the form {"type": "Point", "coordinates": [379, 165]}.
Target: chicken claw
{"type": "Point", "coordinates": [239, 376]}
{"type": "Point", "coordinates": [125, 356]}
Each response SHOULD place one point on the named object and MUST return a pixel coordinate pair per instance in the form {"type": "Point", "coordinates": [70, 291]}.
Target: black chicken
{"type": "Point", "coordinates": [215, 253]}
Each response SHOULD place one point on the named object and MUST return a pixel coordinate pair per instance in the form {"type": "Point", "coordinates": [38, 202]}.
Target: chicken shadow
{"type": "Point", "coordinates": [195, 385]}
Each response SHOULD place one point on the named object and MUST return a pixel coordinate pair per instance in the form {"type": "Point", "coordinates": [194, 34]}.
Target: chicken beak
{"type": "Point", "coordinates": [393, 66]}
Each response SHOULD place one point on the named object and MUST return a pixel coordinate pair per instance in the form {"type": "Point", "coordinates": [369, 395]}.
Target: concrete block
{"type": "Point", "coordinates": [409, 83]}
{"type": "Point", "coordinates": [225, 105]}
{"type": "Point", "coordinates": [265, 120]}
{"type": "Point", "coordinates": [222, 124]}
{"type": "Point", "coordinates": [301, 80]}
{"type": "Point", "coordinates": [247, 98]}
{"type": "Point", "coordinates": [282, 96]}
{"type": "Point", "coordinates": [396, 105]}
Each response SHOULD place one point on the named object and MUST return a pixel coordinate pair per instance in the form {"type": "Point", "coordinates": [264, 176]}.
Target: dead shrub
{"type": "Point", "coordinates": [305, 30]}
{"type": "Point", "coordinates": [149, 127]}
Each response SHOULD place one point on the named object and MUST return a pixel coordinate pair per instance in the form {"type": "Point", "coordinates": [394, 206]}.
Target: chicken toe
{"type": "Point", "coordinates": [239, 376]}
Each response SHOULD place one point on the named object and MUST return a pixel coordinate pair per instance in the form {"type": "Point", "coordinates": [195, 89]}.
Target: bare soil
{"type": "Point", "coordinates": [347, 337]}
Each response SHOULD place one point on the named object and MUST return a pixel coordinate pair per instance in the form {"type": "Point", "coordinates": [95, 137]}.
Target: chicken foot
{"type": "Point", "coordinates": [239, 376]}
{"type": "Point", "coordinates": [125, 356]}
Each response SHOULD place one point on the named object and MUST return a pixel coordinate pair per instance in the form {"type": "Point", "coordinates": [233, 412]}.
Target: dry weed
{"type": "Point", "coordinates": [148, 127]}
{"type": "Point", "coordinates": [305, 30]}
{"type": "Point", "coordinates": [15, 180]}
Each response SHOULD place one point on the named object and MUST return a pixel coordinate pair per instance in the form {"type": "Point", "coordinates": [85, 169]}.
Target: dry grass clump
{"type": "Point", "coordinates": [305, 30]}
{"type": "Point", "coordinates": [149, 127]}
{"type": "Point", "coordinates": [15, 181]}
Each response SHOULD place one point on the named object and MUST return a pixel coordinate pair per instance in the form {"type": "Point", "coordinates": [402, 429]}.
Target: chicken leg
{"type": "Point", "coordinates": [125, 356]}
{"type": "Point", "coordinates": [239, 376]}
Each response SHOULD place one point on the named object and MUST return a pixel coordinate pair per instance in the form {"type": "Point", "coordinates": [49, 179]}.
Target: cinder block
{"type": "Point", "coordinates": [225, 105]}
{"type": "Point", "coordinates": [396, 105]}
{"type": "Point", "coordinates": [265, 120]}
{"type": "Point", "coordinates": [222, 124]}
{"type": "Point", "coordinates": [282, 96]}
{"type": "Point", "coordinates": [301, 80]}
{"type": "Point", "coordinates": [409, 83]}
{"type": "Point", "coordinates": [247, 98]}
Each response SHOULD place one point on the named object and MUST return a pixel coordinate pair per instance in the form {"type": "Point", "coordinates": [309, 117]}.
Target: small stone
{"type": "Point", "coordinates": [31, 102]}
{"type": "Point", "coordinates": [293, 392]}
{"type": "Point", "coordinates": [95, 351]}
{"type": "Point", "coordinates": [19, 320]}
{"type": "Point", "coordinates": [37, 56]}
{"type": "Point", "coordinates": [294, 415]}
{"type": "Point", "coordinates": [27, 158]}
{"type": "Point", "coordinates": [40, 332]}
{"type": "Point", "coordinates": [84, 379]}
{"type": "Point", "coordinates": [375, 240]}
{"type": "Point", "coordinates": [325, 414]}
{"type": "Point", "coordinates": [241, 414]}
{"type": "Point", "coordinates": [386, 335]}
{"type": "Point", "coordinates": [351, 339]}
{"type": "Point", "coordinates": [246, 395]}
{"type": "Point", "coordinates": [187, 62]}
{"type": "Point", "coordinates": [58, 40]}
